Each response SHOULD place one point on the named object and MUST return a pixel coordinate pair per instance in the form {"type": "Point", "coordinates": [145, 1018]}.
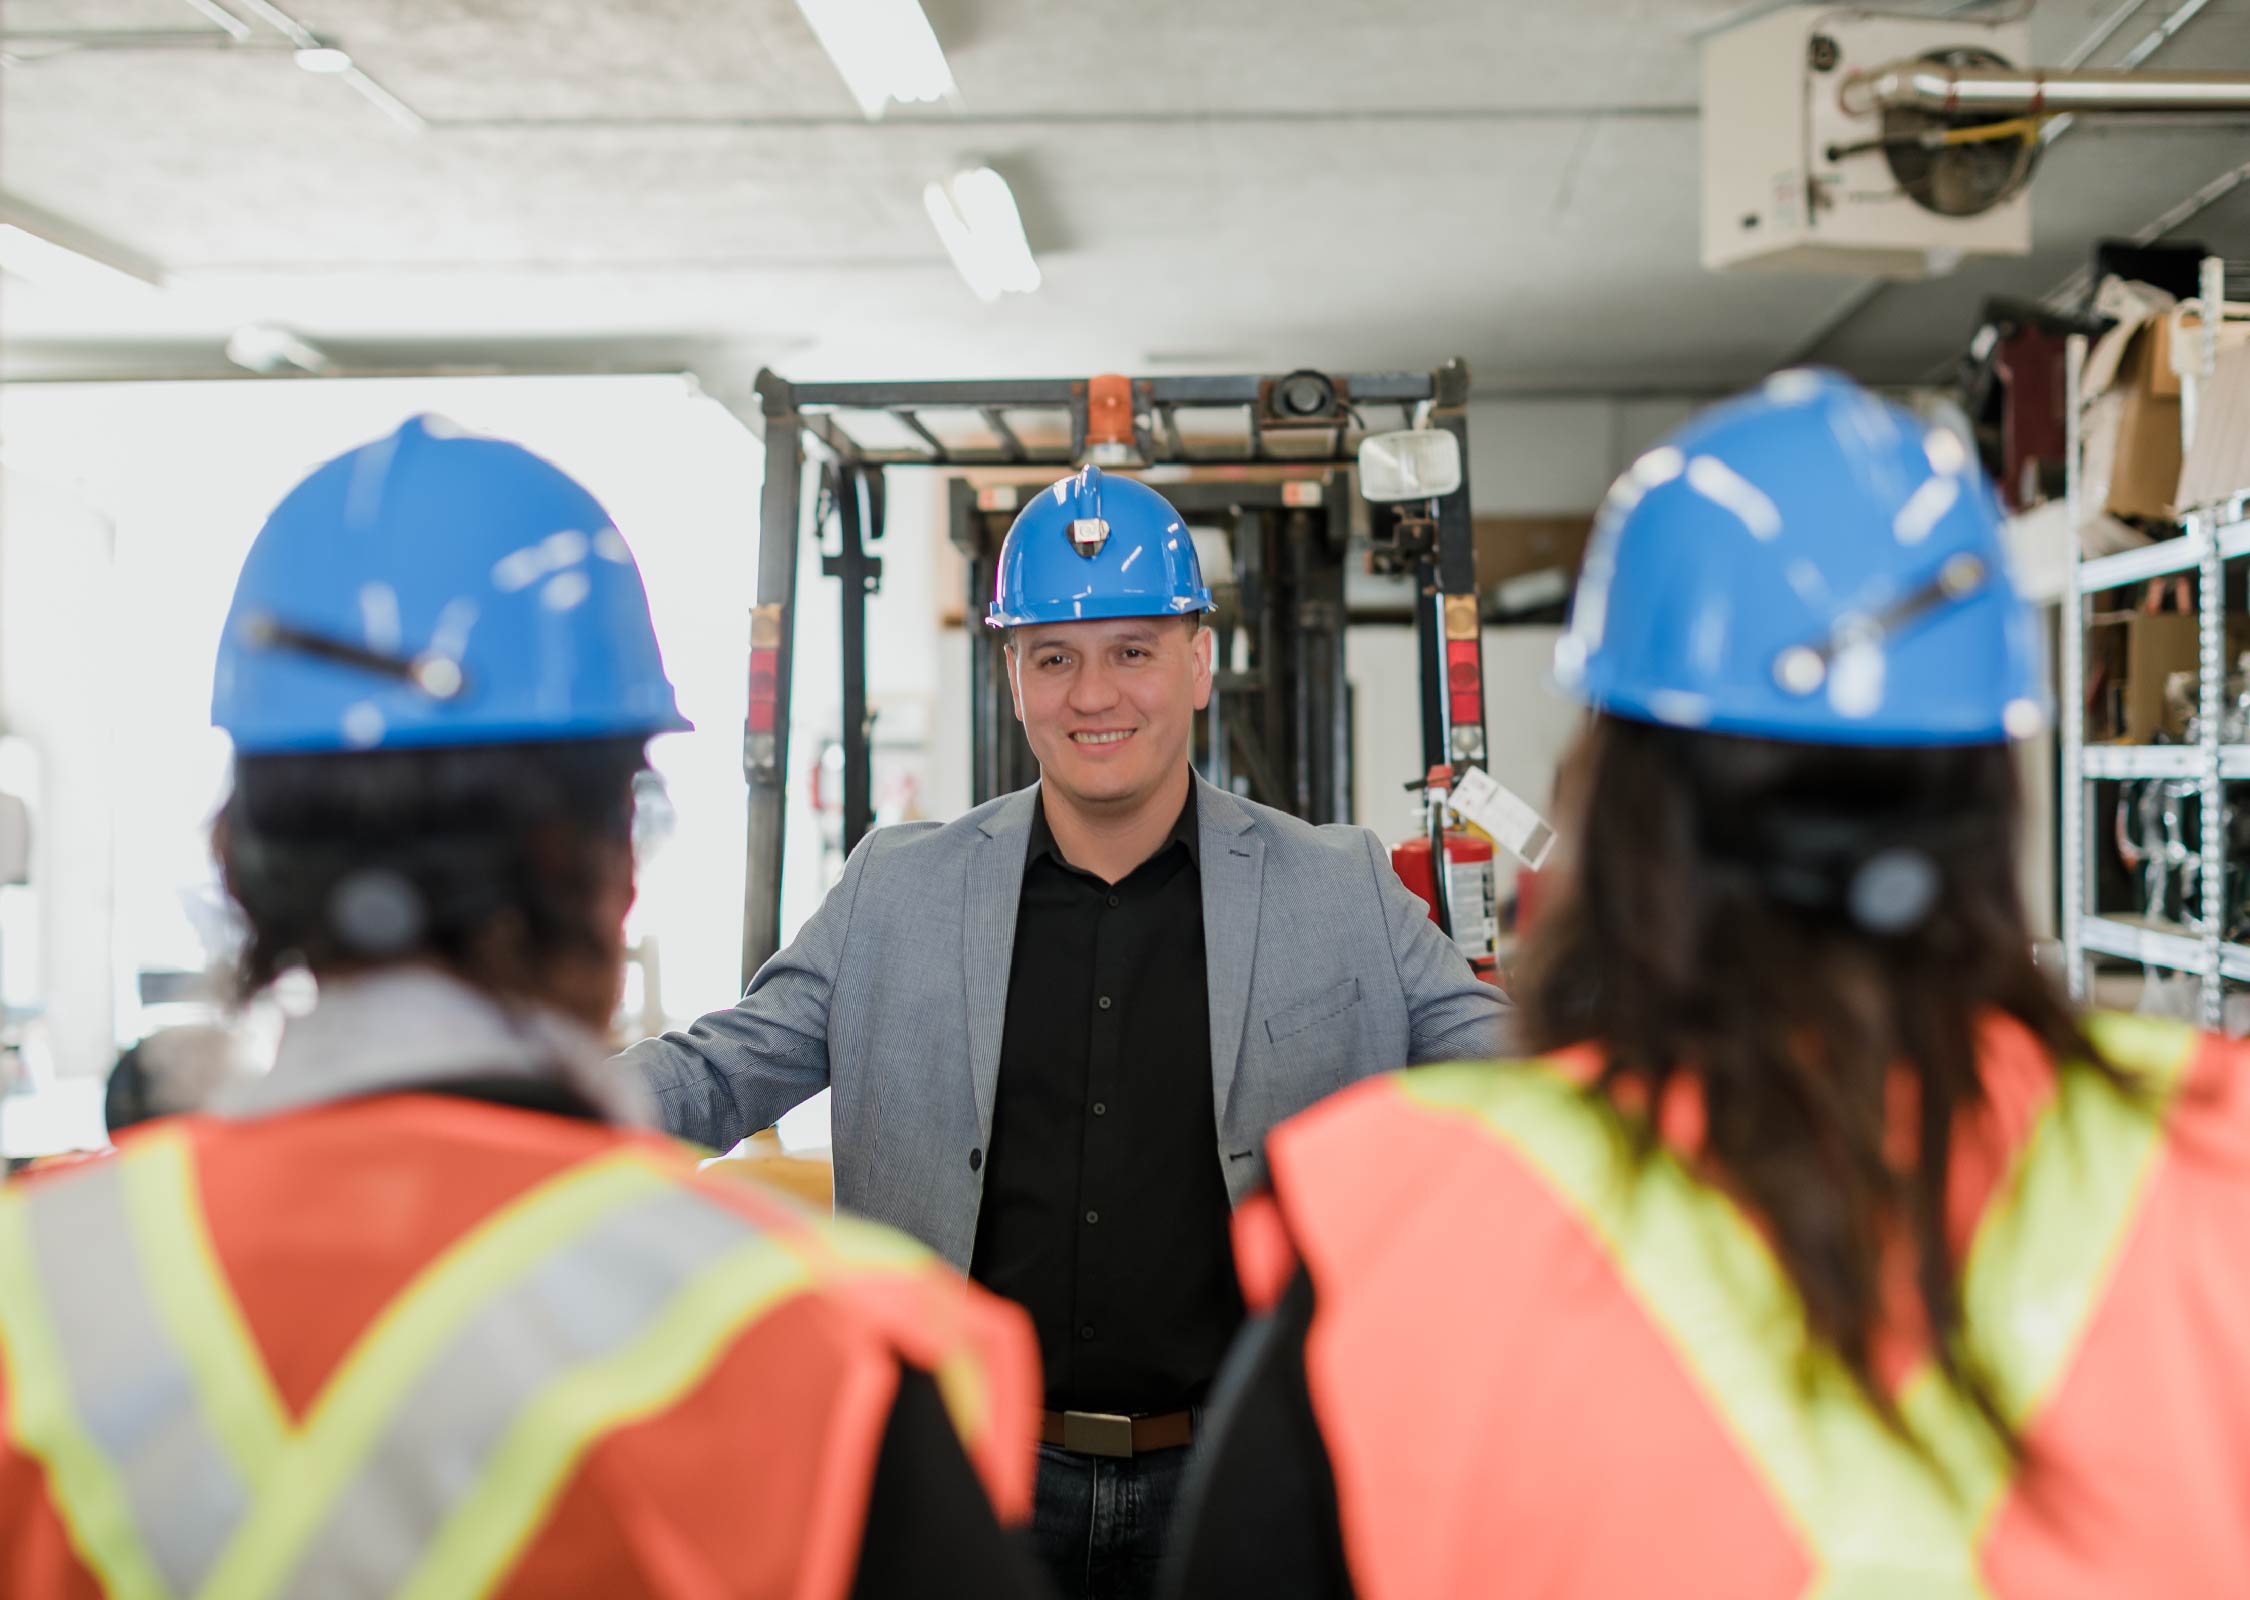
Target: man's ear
{"type": "Point", "coordinates": [1015, 673]}
{"type": "Point", "coordinates": [1205, 643]}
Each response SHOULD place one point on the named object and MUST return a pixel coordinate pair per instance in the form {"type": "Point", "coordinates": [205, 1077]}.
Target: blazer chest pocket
{"type": "Point", "coordinates": [1292, 1020]}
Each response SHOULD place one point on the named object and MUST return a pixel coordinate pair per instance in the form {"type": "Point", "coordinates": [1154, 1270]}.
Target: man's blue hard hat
{"type": "Point", "coordinates": [1807, 563]}
{"type": "Point", "coordinates": [1093, 547]}
{"type": "Point", "coordinates": [431, 589]}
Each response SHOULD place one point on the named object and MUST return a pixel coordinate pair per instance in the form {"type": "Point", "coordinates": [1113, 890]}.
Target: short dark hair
{"type": "Point", "coordinates": [485, 860]}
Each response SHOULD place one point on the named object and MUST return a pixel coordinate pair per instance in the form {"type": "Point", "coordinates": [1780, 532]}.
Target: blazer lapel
{"type": "Point", "coordinates": [1233, 876]}
{"type": "Point", "coordinates": [988, 942]}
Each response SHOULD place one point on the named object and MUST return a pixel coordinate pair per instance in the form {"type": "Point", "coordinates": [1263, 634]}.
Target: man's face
{"type": "Point", "coordinates": [1109, 707]}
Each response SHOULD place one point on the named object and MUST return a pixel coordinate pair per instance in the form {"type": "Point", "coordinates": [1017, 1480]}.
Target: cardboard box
{"type": "Point", "coordinates": [1516, 547]}
{"type": "Point", "coordinates": [2155, 648]}
{"type": "Point", "coordinates": [2132, 433]}
{"type": "Point", "coordinates": [2217, 465]}
{"type": "Point", "coordinates": [2131, 662]}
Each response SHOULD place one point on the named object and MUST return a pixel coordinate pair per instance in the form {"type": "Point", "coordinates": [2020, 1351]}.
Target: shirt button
{"type": "Point", "coordinates": [1103, 1002]}
{"type": "Point", "coordinates": [976, 1160]}
{"type": "Point", "coordinates": [1093, 1216]}
{"type": "Point", "coordinates": [1113, 900]}
{"type": "Point", "coordinates": [1101, 1109]}
{"type": "Point", "coordinates": [1086, 1331]}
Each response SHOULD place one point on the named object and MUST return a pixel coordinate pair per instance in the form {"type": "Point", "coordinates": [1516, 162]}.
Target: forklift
{"type": "Point", "coordinates": [1274, 473]}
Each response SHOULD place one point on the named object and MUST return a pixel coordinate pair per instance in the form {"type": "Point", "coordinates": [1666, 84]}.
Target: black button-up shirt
{"type": "Point", "coordinates": [1105, 1213]}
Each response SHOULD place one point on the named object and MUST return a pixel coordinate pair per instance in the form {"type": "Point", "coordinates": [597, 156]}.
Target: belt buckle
{"type": "Point", "coordinates": [1097, 1433]}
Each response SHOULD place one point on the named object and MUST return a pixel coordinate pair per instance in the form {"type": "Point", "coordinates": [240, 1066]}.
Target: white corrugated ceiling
{"type": "Point", "coordinates": [1209, 183]}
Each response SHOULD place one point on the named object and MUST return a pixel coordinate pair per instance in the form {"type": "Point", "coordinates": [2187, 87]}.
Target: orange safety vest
{"type": "Point", "coordinates": [1542, 1372]}
{"type": "Point", "coordinates": [423, 1346]}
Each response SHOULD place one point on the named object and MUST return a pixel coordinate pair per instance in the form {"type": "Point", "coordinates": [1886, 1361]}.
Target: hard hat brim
{"type": "Point", "coordinates": [1101, 608]}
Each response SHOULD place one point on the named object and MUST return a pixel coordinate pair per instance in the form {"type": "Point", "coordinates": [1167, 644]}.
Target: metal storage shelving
{"type": "Point", "coordinates": [2211, 535]}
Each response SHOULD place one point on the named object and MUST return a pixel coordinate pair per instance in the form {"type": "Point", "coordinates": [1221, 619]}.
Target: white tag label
{"type": "Point", "coordinates": [1480, 801]}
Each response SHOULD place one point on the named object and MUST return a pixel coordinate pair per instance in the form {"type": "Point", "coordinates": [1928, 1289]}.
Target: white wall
{"type": "Point", "coordinates": [61, 673]}
{"type": "Point", "coordinates": [186, 474]}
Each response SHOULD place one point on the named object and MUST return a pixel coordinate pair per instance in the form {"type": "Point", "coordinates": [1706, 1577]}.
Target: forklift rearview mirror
{"type": "Point", "coordinates": [1416, 464]}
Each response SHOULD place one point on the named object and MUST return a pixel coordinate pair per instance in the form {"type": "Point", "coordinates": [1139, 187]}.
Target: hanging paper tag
{"type": "Point", "coordinates": [1479, 800]}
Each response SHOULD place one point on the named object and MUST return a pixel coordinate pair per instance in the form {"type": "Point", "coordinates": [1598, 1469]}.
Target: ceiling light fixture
{"type": "Point", "coordinates": [884, 49]}
{"type": "Point", "coordinates": [324, 59]}
{"type": "Point", "coordinates": [56, 253]}
{"type": "Point", "coordinates": [266, 348]}
{"type": "Point", "coordinates": [976, 218]}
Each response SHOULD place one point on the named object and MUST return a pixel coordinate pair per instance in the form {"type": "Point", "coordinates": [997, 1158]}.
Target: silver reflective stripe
{"type": "Point", "coordinates": [588, 1301]}
{"type": "Point", "coordinates": [131, 1386]}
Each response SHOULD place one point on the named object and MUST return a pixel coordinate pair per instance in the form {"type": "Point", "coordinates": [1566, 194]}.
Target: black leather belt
{"type": "Point", "coordinates": [1104, 1433]}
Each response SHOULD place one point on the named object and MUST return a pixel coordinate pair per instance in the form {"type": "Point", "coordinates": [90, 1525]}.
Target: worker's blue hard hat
{"type": "Point", "coordinates": [432, 588]}
{"type": "Point", "coordinates": [1807, 563]}
{"type": "Point", "coordinates": [1093, 547]}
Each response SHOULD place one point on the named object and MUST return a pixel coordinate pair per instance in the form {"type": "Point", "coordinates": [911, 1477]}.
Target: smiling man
{"type": "Point", "coordinates": [1060, 1027]}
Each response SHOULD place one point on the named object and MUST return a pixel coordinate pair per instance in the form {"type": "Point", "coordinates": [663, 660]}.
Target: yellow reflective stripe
{"type": "Point", "coordinates": [82, 1484]}
{"type": "Point", "coordinates": [348, 1420]}
{"type": "Point", "coordinates": [2050, 1238]}
{"type": "Point", "coordinates": [852, 1242]}
{"type": "Point", "coordinates": [192, 1295]}
{"type": "Point", "coordinates": [488, 1527]}
{"type": "Point", "coordinates": [962, 1383]}
{"type": "Point", "coordinates": [1731, 1315]}
{"type": "Point", "coordinates": [1873, 1516]}
{"type": "Point", "coordinates": [1855, 1493]}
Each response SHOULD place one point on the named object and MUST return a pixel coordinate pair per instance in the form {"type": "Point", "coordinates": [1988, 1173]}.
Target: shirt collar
{"type": "Point", "coordinates": [405, 1028]}
{"type": "Point", "coordinates": [1186, 830]}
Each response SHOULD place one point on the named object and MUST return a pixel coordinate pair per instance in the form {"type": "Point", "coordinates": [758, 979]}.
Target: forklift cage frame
{"type": "Point", "coordinates": [1304, 421]}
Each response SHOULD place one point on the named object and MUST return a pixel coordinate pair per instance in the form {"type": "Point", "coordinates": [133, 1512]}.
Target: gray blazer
{"type": "Point", "coordinates": [1324, 969]}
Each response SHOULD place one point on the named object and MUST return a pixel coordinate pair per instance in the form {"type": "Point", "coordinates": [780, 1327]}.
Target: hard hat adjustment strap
{"type": "Point", "coordinates": [1802, 668]}
{"type": "Point", "coordinates": [438, 677]}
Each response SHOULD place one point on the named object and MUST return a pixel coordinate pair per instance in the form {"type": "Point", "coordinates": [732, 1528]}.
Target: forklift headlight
{"type": "Point", "coordinates": [1416, 464]}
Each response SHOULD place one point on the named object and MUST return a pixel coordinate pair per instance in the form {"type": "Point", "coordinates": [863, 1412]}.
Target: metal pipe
{"type": "Point", "coordinates": [2072, 291]}
{"type": "Point", "coordinates": [2001, 91]}
{"type": "Point", "coordinates": [2162, 34]}
{"type": "Point", "coordinates": [1929, 86]}
{"type": "Point", "coordinates": [235, 27]}
{"type": "Point", "coordinates": [2089, 46]}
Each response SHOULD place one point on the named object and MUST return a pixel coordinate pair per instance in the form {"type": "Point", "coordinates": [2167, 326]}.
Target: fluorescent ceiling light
{"type": "Point", "coordinates": [42, 248]}
{"type": "Point", "coordinates": [976, 217]}
{"type": "Point", "coordinates": [884, 49]}
{"type": "Point", "coordinates": [324, 59]}
{"type": "Point", "coordinates": [263, 347]}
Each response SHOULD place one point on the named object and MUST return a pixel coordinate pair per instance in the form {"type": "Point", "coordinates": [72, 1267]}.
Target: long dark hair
{"type": "Point", "coordinates": [1706, 930]}
{"type": "Point", "coordinates": [488, 861]}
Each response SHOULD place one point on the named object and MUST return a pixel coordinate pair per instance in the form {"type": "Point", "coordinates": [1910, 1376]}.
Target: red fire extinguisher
{"type": "Point", "coordinates": [1463, 901]}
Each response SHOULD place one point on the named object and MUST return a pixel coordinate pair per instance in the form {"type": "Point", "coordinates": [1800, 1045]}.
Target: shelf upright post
{"type": "Point", "coordinates": [2070, 715]}
{"type": "Point", "coordinates": [2211, 626]}
{"type": "Point", "coordinates": [2211, 621]}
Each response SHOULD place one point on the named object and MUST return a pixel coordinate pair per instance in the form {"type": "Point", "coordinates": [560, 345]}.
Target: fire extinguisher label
{"type": "Point", "coordinates": [1483, 802]}
{"type": "Point", "coordinates": [1470, 897]}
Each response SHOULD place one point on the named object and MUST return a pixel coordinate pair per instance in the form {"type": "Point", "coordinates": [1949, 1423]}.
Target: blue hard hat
{"type": "Point", "coordinates": [432, 588]}
{"type": "Point", "coordinates": [1090, 547]}
{"type": "Point", "coordinates": [1807, 563]}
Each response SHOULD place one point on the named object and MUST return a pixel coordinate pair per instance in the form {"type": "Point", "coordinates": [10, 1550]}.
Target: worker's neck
{"type": "Point", "coordinates": [1111, 840]}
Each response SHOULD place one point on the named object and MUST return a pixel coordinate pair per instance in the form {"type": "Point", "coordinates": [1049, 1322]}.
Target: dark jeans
{"type": "Point", "coordinates": [1099, 1522]}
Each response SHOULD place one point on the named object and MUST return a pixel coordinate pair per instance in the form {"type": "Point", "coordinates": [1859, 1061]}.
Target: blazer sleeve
{"type": "Point", "coordinates": [1452, 1014]}
{"type": "Point", "coordinates": [733, 1072]}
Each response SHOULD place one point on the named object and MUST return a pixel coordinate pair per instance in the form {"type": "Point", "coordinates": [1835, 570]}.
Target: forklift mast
{"type": "Point", "coordinates": [1267, 460]}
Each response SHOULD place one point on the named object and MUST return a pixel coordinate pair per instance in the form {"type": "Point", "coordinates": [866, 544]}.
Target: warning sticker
{"type": "Point", "coordinates": [1480, 800]}
{"type": "Point", "coordinates": [1469, 897]}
